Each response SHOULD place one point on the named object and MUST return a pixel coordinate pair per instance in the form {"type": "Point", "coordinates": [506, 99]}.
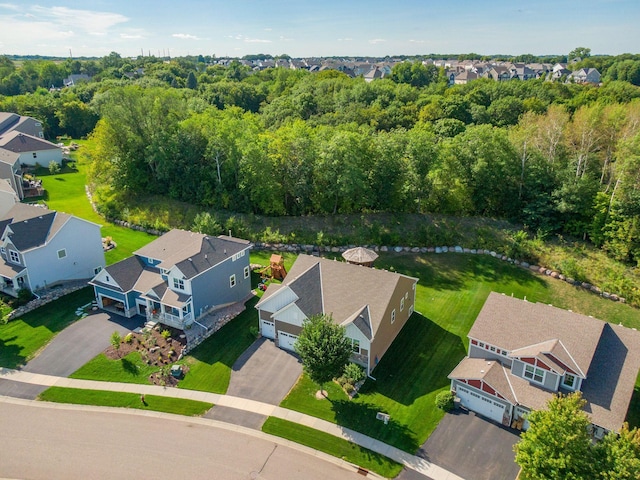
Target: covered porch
{"type": "Point", "coordinates": [173, 309]}
{"type": "Point", "coordinates": [12, 278]}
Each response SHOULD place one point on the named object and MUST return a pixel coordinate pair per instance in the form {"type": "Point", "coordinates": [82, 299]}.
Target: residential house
{"type": "Point", "coordinates": [11, 172]}
{"type": "Point", "coordinates": [12, 121]}
{"type": "Point", "coordinates": [465, 77]}
{"type": "Point", "coordinates": [499, 73]}
{"type": "Point", "coordinates": [40, 248]}
{"type": "Point", "coordinates": [31, 149]}
{"type": "Point", "coordinates": [522, 353]}
{"type": "Point", "coordinates": [177, 279]}
{"type": "Point", "coordinates": [76, 78]}
{"type": "Point", "coordinates": [8, 197]}
{"type": "Point", "coordinates": [586, 75]}
{"type": "Point", "coordinates": [373, 305]}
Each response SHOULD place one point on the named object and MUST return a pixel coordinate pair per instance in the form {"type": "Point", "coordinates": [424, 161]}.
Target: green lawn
{"type": "Point", "coordinates": [129, 369]}
{"type": "Point", "coordinates": [66, 193]}
{"type": "Point", "coordinates": [22, 338]}
{"type": "Point", "coordinates": [450, 293]}
{"type": "Point", "coordinates": [333, 446]}
{"type": "Point", "coordinates": [105, 398]}
{"type": "Point", "coordinates": [209, 364]}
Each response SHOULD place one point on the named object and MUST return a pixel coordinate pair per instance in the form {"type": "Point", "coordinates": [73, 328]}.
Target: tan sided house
{"type": "Point", "coordinates": [522, 353]}
{"type": "Point", "coordinates": [372, 304]}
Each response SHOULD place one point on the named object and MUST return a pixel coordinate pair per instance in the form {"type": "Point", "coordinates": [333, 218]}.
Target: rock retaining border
{"type": "Point", "coordinates": [45, 298]}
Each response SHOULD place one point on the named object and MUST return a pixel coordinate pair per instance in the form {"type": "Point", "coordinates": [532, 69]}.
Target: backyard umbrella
{"type": "Point", "coordinates": [360, 256]}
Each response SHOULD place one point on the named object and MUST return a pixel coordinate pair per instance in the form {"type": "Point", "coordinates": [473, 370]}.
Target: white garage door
{"type": "Point", "coordinates": [268, 329]}
{"type": "Point", "coordinates": [286, 341]}
{"type": "Point", "coordinates": [480, 404]}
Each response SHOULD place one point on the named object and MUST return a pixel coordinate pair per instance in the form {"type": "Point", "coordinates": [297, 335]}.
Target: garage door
{"type": "Point", "coordinates": [268, 329]}
{"type": "Point", "coordinates": [480, 404]}
{"type": "Point", "coordinates": [286, 341]}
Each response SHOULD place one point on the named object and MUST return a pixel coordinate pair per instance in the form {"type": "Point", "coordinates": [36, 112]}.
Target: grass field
{"type": "Point", "coordinates": [22, 338]}
{"type": "Point", "coordinates": [450, 293]}
{"type": "Point", "coordinates": [333, 446]}
{"type": "Point", "coordinates": [66, 193]}
{"type": "Point", "coordinates": [105, 398]}
{"type": "Point", "coordinates": [129, 369]}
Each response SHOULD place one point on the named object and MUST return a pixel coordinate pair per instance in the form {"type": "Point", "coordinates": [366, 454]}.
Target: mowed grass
{"type": "Point", "coordinates": [450, 293]}
{"type": "Point", "coordinates": [332, 445]}
{"type": "Point", "coordinates": [209, 364]}
{"type": "Point", "coordinates": [22, 338]}
{"type": "Point", "coordinates": [105, 398]}
{"type": "Point", "coordinates": [66, 193]}
{"type": "Point", "coordinates": [129, 369]}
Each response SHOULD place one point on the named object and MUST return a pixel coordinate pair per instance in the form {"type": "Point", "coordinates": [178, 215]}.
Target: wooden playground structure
{"type": "Point", "coordinates": [275, 270]}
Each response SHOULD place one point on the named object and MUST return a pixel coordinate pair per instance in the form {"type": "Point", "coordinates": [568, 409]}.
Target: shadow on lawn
{"type": "Point", "coordinates": [10, 356]}
{"type": "Point", "coordinates": [417, 363]}
{"type": "Point", "coordinates": [362, 418]}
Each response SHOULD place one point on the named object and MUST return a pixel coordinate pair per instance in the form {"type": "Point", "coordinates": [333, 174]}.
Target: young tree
{"type": "Point", "coordinates": [116, 339]}
{"type": "Point", "coordinates": [323, 348]}
{"type": "Point", "coordinates": [557, 443]}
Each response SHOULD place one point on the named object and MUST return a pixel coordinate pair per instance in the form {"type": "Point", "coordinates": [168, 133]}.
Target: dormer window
{"type": "Point", "coordinates": [569, 381]}
{"type": "Point", "coordinates": [533, 373]}
{"type": "Point", "coordinates": [178, 284]}
{"type": "Point", "coordinates": [14, 256]}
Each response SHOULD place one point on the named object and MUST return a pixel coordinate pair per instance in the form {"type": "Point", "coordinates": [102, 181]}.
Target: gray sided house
{"type": "Point", "coordinates": [14, 122]}
{"type": "Point", "coordinates": [522, 353]}
{"type": "Point", "coordinates": [177, 278]}
{"type": "Point", "coordinates": [31, 150]}
{"type": "Point", "coordinates": [373, 305]}
{"type": "Point", "coordinates": [40, 248]}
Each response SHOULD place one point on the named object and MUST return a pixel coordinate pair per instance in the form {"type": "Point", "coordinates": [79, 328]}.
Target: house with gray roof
{"type": "Point", "coordinates": [373, 305]}
{"type": "Point", "coordinates": [177, 279]}
{"type": "Point", "coordinates": [20, 123]}
{"type": "Point", "coordinates": [522, 353]}
{"type": "Point", "coordinates": [40, 248]}
{"type": "Point", "coordinates": [30, 149]}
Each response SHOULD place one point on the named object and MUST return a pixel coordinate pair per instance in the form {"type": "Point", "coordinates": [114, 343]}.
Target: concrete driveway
{"type": "Point", "coordinates": [264, 373]}
{"type": "Point", "coordinates": [79, 343]}
{"type": "Point", "coordinates": [471, 447]}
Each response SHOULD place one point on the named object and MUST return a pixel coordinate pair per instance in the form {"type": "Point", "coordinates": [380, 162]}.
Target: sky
{"type": "Point", "coordinates": [302, 28]}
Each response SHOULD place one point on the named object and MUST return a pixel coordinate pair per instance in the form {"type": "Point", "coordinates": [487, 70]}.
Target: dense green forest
{"type": "Point", "coordinates": [554, 157]}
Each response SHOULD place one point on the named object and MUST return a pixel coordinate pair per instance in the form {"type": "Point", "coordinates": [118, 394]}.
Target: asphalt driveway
{"type": "Point", "coordinates": [471, 447]}
{"type": "Point", "coordinates": [264, 373]}
{"type": "Point", "coordinates": [79, 343]}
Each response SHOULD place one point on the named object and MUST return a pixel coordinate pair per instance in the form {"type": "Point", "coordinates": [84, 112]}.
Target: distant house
{"type": "Point", "coordinates": [498, 73]}
{"type": "Point", "coordinates": [40, 248]}
{"type": "Point", "coordinates": [19, 123]}
{"type": "Point", "coordinates": [373, 305]}
{"type": "Point", "coordinates": [586, 75]}
{"type": "Point", "coordinates": [31, 150]}
{"type": "Point", "coordinates": [465, 77]}
{"type": "Point", "coordinates": [177, 278]}
{"type": "Point", "coordinates": [522, 353]}
{"type": "Point", "coordinates": [75, 78]}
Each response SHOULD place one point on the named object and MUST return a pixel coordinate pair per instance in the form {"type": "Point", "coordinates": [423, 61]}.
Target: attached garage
{"type": "Point", "coordinates": [286, 341]}
{"type": "Point", "coordinates": [481, 404]}
{"type": "Point", "coordinates": [268, 329]}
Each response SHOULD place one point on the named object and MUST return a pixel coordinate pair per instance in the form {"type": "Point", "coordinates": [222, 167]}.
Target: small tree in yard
{"type": "Point", "coordinates": [54, 167]}
{"type": "Point", "coordinates": [323, 348]}
{"type": "Point", "coordinates": [558, 445]}
{"type": "Point", "coordinates": [116, 339]}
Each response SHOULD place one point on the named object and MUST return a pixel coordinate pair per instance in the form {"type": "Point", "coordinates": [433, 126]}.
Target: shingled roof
{"type": "Point", "coordinates": [19, 142]}
{"type": "Point", "coordinates": [31, 226]}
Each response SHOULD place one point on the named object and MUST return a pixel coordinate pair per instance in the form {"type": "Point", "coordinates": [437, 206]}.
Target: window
{"type": "Point", "coordinates": [41, 135]}
{"type": "Point", "coordinates": [35, 155]}
{"type": "Point", "coordinates": [62, 253]}
{"type": "Point", "coordinates": [569, 381]}
{"type": "Point", "coordinates": [178, 283]}
{"type": "Point", "coordinates": [406, 296]}
{"type": "Point", "coordinates": [14, 256]}
{"type": "Point", "coordinates": [232, 281]}
{"type": "Point", "coordinates": [247, 271]}
{"type": "Point", "coordinates": [355, 346]}
{"type": "Point", "coordinates": [97, 270]}
{"type": "Point", "coordinates": [393, 315]}
{"type": "Point", "coordinates": [38, 124]}
{"type": "Point", "coordinates": [533, 373]}
{"type": "Point", "coordinates": [402, 304]}
{"type": "Point", "coordinates": [237, 256]}
{"type": "Point", "coordinates": [3, 251]}
{"type": "Point", "coordinates": [493, 349]}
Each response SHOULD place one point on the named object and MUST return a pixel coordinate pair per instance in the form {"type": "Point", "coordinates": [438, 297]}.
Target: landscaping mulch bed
{"type": "Point", "coordinates": [155, 349]}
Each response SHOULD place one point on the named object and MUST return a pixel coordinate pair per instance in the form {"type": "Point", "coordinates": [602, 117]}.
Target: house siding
{"type": "Point", "coordinates": [287, 328]}
{"type": "Point", "coordinates": [43, 157]}
{"type": "Point", "coordinates": [211, 288]}
{"type": "Point", "coordinates": [84, 253]}
{"type": "Point", "coordinates": [517, 368]}
{"type": "Point", "coordinates": [477, 352]}
{"type": "Point", "coordinates": [388, 331]}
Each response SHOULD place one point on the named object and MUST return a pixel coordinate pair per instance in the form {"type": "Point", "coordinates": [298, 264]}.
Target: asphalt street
{"type": "Point", "coordinates": [58, 442]}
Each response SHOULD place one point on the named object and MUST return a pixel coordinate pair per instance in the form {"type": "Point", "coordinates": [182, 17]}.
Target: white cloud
{"type": "Point", "coordinates": [416, 41]}
{"type": "Point", "coordinates": [268, 29]}
{"type": "Point", "coordinates": [285, 39]}
{"type": "Point", "coordinates": [129, 36]}
{"type": "Point", "coordinates": [376, 41]}
{"type": "Point", "coordinates": [256, 40]}
{"type": "Point", "coordinates": [87, 20]}
{"type": "Point", "coordinates": [185, 36]}
{"type": "Point", "coordinates": [10, 6]}
{"type": "Point", "coordinates": [345, 39]}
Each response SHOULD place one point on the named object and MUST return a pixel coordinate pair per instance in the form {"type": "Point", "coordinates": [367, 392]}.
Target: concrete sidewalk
{"type": "Point", "coordinates": [410, 461]}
